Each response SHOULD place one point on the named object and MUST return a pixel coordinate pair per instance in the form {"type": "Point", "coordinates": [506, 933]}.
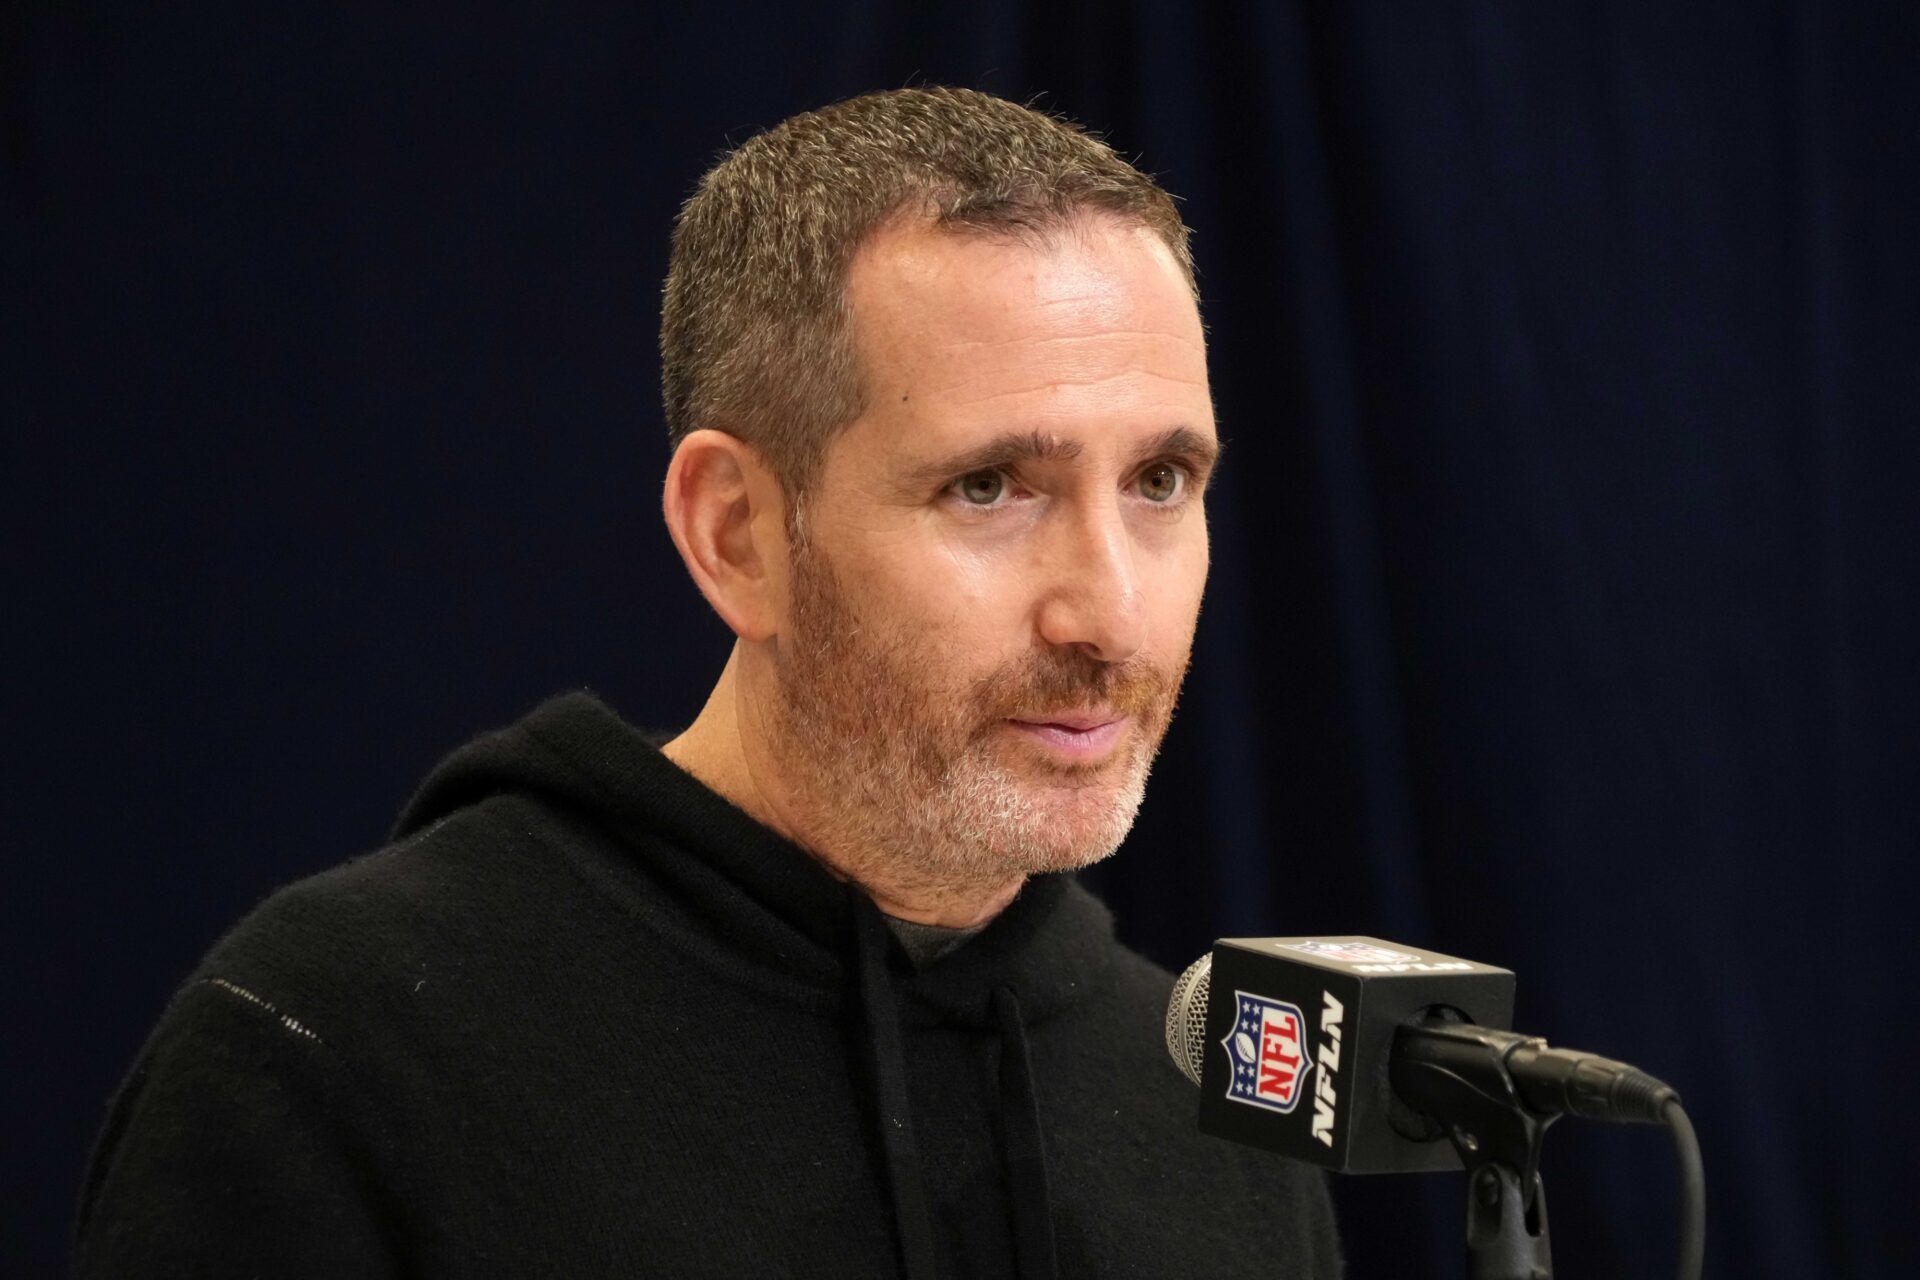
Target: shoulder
{"type": "Point", "coordinates": [353, 948]}
{"type": "Point", "coordinates": [1133, 1118]}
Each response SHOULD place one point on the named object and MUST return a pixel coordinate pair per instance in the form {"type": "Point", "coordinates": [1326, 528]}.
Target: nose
{"type": "Point", "coordinates": [1093, 599]}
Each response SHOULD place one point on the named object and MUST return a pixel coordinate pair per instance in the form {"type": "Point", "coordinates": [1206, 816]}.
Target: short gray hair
{"type": "Point", "coordinates": [755, 334]}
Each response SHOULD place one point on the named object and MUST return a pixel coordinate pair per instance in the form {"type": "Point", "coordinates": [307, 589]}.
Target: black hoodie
{"type": "Point", "coordinates": [586, 1018]}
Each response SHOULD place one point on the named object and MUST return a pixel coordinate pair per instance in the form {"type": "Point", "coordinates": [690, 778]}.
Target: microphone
{"type": "Point", "coordinates": [1364, 1056]}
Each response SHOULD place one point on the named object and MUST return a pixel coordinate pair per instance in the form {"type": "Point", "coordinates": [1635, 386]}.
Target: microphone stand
{"type": "Point", "coordinates": [1460, 1081]}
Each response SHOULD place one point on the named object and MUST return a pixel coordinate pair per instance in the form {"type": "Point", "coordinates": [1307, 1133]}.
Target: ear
{"type": "Point", "coordinates": [727, 514]}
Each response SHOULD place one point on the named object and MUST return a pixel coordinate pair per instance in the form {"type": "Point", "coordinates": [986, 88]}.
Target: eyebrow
{"type": "Point", "coordinates": [1015, 447]}
{"type": "Point", "coordinates": [1201, 453]}
{"type": "Point", "coordinates": [1002, 451]}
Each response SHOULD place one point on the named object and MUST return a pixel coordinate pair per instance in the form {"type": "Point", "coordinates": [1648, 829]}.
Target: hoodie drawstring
{"type": "Point", "coordinates": [887, 1061]}
{"type": "Point", "coordinates": [1022, 1146]}
{"type": "Point", "coordinates": [1023, 1151]}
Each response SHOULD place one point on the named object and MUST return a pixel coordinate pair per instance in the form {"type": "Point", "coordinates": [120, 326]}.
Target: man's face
{"type": "Point", "coordinates": [997, 574]}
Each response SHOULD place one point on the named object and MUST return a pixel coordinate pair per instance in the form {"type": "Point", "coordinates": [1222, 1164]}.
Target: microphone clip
{"type": "Point", "coordinates": [1455, 1074]}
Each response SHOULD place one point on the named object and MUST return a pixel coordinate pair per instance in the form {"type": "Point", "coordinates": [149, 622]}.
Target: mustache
{"type": "Point", "coordinates": [1065, 681]}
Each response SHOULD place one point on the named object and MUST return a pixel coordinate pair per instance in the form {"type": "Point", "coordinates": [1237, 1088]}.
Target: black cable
{"type": "Point", "coordinates": [1693, 1192]}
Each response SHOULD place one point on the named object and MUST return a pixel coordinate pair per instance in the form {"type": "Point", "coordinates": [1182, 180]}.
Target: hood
{"type": "Point", "coordinates": [765, 895]}
{"type": "Point", "coordinates": [772, 903]}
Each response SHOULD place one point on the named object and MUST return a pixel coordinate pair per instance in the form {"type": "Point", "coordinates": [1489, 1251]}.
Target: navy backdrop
{"type": "Point", "coordinates": [1563, 612]}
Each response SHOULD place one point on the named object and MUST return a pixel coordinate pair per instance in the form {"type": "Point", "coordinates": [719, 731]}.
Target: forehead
{"type": "Point", "coordinates": [1093, 324]}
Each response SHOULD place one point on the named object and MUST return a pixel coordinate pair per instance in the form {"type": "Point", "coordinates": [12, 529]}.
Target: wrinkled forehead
{"type": "Point", "coordinates": [1093, 319]}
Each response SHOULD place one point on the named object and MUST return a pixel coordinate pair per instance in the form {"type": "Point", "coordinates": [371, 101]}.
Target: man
{"type": "Point", "coordinates": [808, 990]}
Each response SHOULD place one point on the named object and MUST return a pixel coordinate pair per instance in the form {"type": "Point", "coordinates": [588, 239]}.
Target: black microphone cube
{"type": "Point", "coordinates": [1299, 1037]}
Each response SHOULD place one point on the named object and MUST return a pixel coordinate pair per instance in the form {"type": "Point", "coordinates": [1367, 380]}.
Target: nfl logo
{"type": "Point", "coordinates": [1268, 1050]}
{"type": "Point", "coordinates": [1351, 952]}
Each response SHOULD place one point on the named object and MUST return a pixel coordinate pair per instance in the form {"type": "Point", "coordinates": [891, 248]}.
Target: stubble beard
{"type": "Point", "coordinates": [904, 780]}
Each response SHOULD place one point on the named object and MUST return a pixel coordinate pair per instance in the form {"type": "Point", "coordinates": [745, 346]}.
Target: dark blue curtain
{"type": "Point", "coordinates": [1563, 611]}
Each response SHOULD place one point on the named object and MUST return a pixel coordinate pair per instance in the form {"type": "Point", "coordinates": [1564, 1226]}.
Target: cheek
{"type": "Point", "coordinates": [1174, 603]}
{"type": "Point", "coordinates": [938, 583]}
{"type": "Point", "coordinates": [973, 611]}
{"type": "Point", "coordinates": [946, 600]}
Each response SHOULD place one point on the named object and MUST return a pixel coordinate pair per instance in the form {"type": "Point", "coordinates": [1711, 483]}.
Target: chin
{"type": "Point", "coordinates": [1075, 827]}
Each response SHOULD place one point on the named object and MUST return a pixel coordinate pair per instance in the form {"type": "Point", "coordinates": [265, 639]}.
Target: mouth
{"type": "Point", "coordinates": [1075, 736]}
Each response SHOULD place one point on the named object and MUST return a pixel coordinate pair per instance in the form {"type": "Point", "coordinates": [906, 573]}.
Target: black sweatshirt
{"type": "Point", "coordinates": [586, 1018]}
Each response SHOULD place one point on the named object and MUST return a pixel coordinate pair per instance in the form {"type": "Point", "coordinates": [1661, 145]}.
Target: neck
{"type": "Point", "coordinates": [729, 749]}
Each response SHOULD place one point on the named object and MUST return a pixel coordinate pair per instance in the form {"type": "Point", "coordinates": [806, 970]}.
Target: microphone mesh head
{"type": "Point", "coordinates": [1187, 1017]}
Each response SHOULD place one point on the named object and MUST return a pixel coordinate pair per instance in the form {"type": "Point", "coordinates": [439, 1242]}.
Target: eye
{"type": "Point", "coordinates": [981, 488]}
{"type": "Point", "coordinates": [1162, 482]}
